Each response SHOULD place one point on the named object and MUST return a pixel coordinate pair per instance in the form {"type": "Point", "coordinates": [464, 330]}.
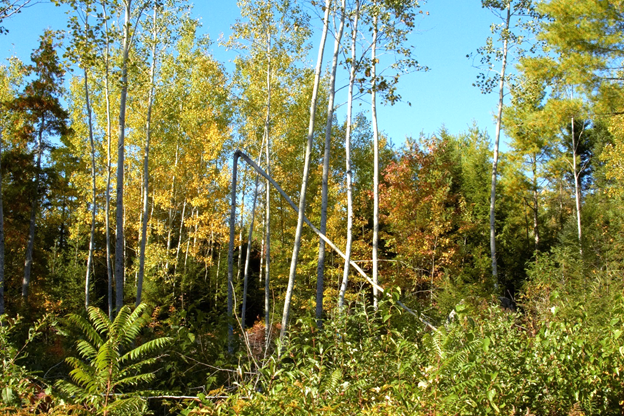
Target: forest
{"type": "Point", "coordinates": [179, 238]}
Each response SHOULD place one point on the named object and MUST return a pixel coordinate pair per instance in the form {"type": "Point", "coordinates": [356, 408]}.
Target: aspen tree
{"type": "Point", "coordinates": [306, 169]}
{"type": "Point", "coordinates": [320, 271]}
{"type": "Point", "coordinates": [349, 172]}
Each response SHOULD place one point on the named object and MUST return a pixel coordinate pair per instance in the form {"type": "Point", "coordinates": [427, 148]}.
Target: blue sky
{"type": "Point", "coordinates": [442, 96]}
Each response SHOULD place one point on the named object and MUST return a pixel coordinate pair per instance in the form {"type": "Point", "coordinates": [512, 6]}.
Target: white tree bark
{"type": "Point", "coordinates": [1, 235]}
{"type": "Point", "coordinates": [375, 157]}
{"type": "Point", "coordinates": [109, 266]}
{"type": "Point", "coordinates": [119, 244]}
{"type": "Point", "coordinates": [345, 274]}
{"type": "Point", "coordinates": [306, 169]}
{"type": "Point", "coordinates": [148, 134]}
{"type": "Point", "coordinates": [499, 120]}
{"type": "Point", "coordinates": [577, 188]}
{"type": "Point", "coordinates": [93, 186]}
{"type": "Point", "coordinates": [33, 217]}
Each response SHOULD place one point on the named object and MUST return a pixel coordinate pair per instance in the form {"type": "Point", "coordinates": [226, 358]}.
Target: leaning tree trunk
{"type": "Point", "coordinates": [499, 119]}
{"type": "Point", "coordinates": [1, 236]}
{"type": "Point", "coordinates": [33, 217]}
{"type": "Point", "coordinates": [119, 244]}
{"type": "Point", "coordinates": [230, 278]}
{"type": "Point", "coordinates": [93, 188]}
{"type": "Point", "coordinates": [304, 183]}
{"type": "Point", "coordinates": [267, 207]}
{"type": "Point", "coordinates": [376, 159]}
{"type": "Point", "coordinates": [345, 274]}
{"type": "Point", "coordinates": [577, 189]}
{"type": "Point", "coordinates": [148, 133]}
{"type": "Point", "coordinates": [109, 267]}
{"type": "Point", "coordinates": [320, 270]}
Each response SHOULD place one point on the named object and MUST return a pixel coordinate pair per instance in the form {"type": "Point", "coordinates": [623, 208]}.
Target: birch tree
{"type": "Point", "coordinates": [320, 273]}
{"type": "Point", "coordinates": [306, 169]}
{"type": "Point", "coordinates": [516, 17]}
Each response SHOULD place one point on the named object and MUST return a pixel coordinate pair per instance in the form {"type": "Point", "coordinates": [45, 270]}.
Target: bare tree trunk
{"type": "Point", "coordinates": [109, 266]}
{"type": "Point", "coordinates": [266, 245]}
{"type": "Point", "coordinates": [230, 280]}
{"type": "Point", "coordinates": [93, 186]}
{"type": "Point", "coordinates": [1, 235]}
{"type": "Point", "coordinates": [119, 246]}
{"type": "Point", "coordinates": [577, 189]}
{"type": "Point", "coordinates": [306, 169]}
{"type": "Point", "coordinates": [170, 217]}
{"type": "Point", "coordinates": [536, 234]}
{"type": "Point", "coordinates": [501, 94]}
{"type": "Point", "coordinates": [345, 274]}
{"type": "Point", "coordinates": [251, 163]}
{"type": "Point", "coordinates": [148, 133]}
{"type": "Point", "coordinates": [320, 270]}
{"type": "Point", "coordinates": [248, 253]}
{"type": "Point", "coordinates": [33, 217]}
{"type": "Point", "coordinates": [175, 265]}
{"type": "Point", "coordinates": [375, 157]}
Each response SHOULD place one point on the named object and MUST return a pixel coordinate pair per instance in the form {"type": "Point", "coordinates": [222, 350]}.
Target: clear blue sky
{"type": "Point", "coordinates": [442, 96]}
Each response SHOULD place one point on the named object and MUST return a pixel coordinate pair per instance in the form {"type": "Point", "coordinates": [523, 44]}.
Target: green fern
{"type": "Point", "coordinates": [103, 380]}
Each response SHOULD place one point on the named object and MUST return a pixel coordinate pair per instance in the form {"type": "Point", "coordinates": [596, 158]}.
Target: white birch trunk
{"type": "Point", "coordinates": [119, 246]}
{"type": "Point", "coordinates": [320, 270]}
{"type": "Point", "coordinates": [501, 94]}
{"type": "Point", "coordinates": [93, 186]}
{"type": "Point", "coordinates": [304, 183]}
{"type": "Point", "coordinates": [148, 133]}
{"type": "Point", "coordinates": [109, 266]}
{"type": "Point", "coordinates": [345, 274]}
{"type": "Point", "coordinates": [375, 157]}
{"type": "Point", "coordinates": [1, 235]}
{"type": "Point", "coordinates": [33, 217]}
{"type": "Point", "coordinates": [577, 190]}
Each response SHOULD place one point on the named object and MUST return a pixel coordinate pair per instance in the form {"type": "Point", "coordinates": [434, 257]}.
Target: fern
{"type": "Point", "coordinates": [101, 381]}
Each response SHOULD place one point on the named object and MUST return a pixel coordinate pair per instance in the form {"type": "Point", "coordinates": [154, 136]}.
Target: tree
{"type": "Point", "coordinates": [306, 169]}
{"type": "Point", "coordinates": [509, 39]}
{"type": "Point", "coordinates": [43, 116]}
{"type": "Point", "coordinates": [10, 8]}
{"type": "Point", "coordinates": [320, 275]}
{"type": "Point", "coordinates": [349, 173]}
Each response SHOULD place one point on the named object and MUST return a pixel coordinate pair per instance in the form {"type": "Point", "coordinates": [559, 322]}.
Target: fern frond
{"type": "Point", "coordinates": [87, 328]}
{"type": "Point", "coordinates": [135, 380]}
{"type": "Point", "coordinates": [132, 405]}
{"type": "Point", "coordinates": [86, 350]}
{"type": "Point", "coordinates": [100, 320]}
{"type": "Point", "coordinates": [147, 348]}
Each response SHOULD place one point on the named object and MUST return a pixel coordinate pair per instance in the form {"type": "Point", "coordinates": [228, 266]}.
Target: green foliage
{"type": "Point", "coordinates": [19, 387]}
{"type": "Point", "coordinates": [112, 368]}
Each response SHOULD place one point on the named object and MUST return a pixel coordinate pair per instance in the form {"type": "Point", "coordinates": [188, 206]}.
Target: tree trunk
{"type": "Point", "coordinates": [175, 265]}
{"type": "Point", "coordinates": [109, 267]}
{"type": "Point", "coordinates": [170, 216]}
{"type": "Point", "coordinates": [376, 158]}
{"type": "Point", "coordinates": [93, 188]}
{"type": "Point", "coordinates": [536, 234]}
{"type": "Point", "coordinates": [320, 270]}
{"type": "Point", "coordinates": [33, 217]}
{"type": "Point", "coordinates": [577, 190]}
{"type": "Point", "coordinates": [1, 236]}
{"type": "Point", "coordinates": [267, 207]}
{"type": "Point", "coordinates": [148, 133]}
{"type": "Point", "coordinates": [501, 94]}
{"type": "Point", "coordinates": [230, 280]}
{"type": "Point", "coordinates": [306, 169]}
{"type": "Point", "coordinates": [345, 274]}
{"type": "Point", "coordinates": [248, 253]}
{"type": "Point", "coordinates": [119, 244]}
